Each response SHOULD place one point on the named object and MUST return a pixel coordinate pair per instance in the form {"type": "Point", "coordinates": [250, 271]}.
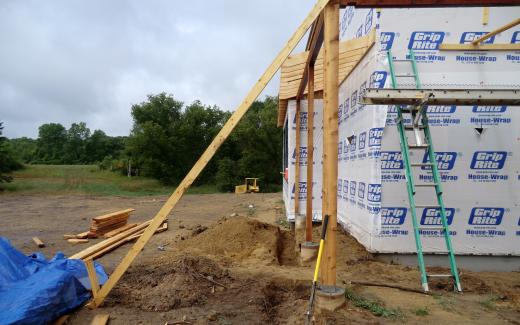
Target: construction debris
{"type": "Point", "coordinates": [100, 319]}
{"type": "Point", "coordinates": [107, 245]}
{"type": "Point", "coordinates": [38, 242]}
{"type": "Point", "coordinates": [77, 241]}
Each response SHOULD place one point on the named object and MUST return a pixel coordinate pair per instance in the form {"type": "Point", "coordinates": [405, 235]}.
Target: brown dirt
{"type": "Point", "coordinates": [254, 259]}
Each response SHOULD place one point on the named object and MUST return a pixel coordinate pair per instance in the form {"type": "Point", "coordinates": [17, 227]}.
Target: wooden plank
{"type": "Point", "coordinates": [82, 235]}
{"type": "Point", "coordinates": [297, 160]}
{"type": "Point", "coordinates": [496, 31]}
{"type": "Point", "coordinates": [119, 230]}
{"type": "Point", "coordinates": [485, 15]}
{"type": "Point", "coordinates": [330, 140]}
{"type": "Point", "coordinates": [480, 47]}
{"type": "Point", "coordinates": [100, 319]}
{"type": "Point", "coordinates": [92, 276]}
{"type": "Point", "coordinates": [310, 154]}
{"type": "Point", "coordinates": [38, 242]}
{"type": "Point", "coordinates": [77, 241]}
{"type": "Point", "coordinates": [113, 214]}
{"type": "Point", "coordinates": [210, 151]}
{"type": "Point", "coordinates": [107, 242]}
{"type": "Point", "coordinates": [425, 3]}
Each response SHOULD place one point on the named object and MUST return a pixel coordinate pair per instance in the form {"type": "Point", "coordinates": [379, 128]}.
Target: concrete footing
{"type": "Point", "coordinates": [330, 298]}
{"type": "Point", "coordinates": [309, 252]}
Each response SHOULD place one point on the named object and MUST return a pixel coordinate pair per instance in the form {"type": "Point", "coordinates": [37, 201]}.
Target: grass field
{"type": "Point", "coordinates": [87, 179]}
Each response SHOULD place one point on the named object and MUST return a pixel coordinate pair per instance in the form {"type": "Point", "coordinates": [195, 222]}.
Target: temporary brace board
{"type": "Point", "coordinates": [478, 147]}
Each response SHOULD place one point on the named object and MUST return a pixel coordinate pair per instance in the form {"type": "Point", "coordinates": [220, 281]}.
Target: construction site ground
{"type": "Point", "coordinates": [214, 268]}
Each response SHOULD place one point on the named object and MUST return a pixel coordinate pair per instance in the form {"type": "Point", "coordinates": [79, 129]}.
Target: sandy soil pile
{"type": "Point", "coordinates": [244, 239]}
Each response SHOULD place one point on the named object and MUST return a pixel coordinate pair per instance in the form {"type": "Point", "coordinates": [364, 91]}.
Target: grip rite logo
{"type": "Point", "coordinates": [353, 188]}
{"type": "Point", "coordinates": [340, 184]}
{"type": "Point", "coordinates": [302, 188]}
{"type": "Point", "coordinates": [378, 79]}
{"type": "Point", "coordinates": [353, 143]}
{"type": "Point", "coordinates": [391, 160]}
{"type": "Point", "coordinates": [361, 190]}
{"type": "Point", "coordinates": [486, 216]}
{"type": "Point", "coordinates": [425, 40]}
{"type": "Point", "coordinates": [515, 39]}
{"type": "Point", "coordinates": [434, 109]}
{"type": "Point", "coordinates": [432, 216]}
{"type": "Point", "coordinates": [345, 187]}
{"type": "Point", "coordinates": [393, 216]}
{"type": "Point", "coordinates": [489, 109]}
{"type": "Point", "coordinates": [374, 137]}
{"type": "Point", "coordinates": [488, 160]}
{"type": "Point", "coordinates": [445, 160]}
{"type": "Point", "coordinates": [374, 193]}
{"type": "Point", "coordinates": [359, 32]}
{"type": "Point", "coordinates": [353, 101]}
{"type": "Point", "coordinates": [346, 107]}
{"type": "Point", "coordinates": [303, 154]}
{"type": "Point", "coordinates": [368, 20]}
{"type": "Point", "coordinates": [468, 37]}
{"type": "Point", "coordinates": [387, 40]}
{"type": "Point", "coordinates": [362, 140]}
{"type": "Point", "coordinates": [303, 120]}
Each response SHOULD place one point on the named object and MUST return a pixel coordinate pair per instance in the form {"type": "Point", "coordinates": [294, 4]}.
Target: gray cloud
{"type": "Point", "coordinates": [69, 60]}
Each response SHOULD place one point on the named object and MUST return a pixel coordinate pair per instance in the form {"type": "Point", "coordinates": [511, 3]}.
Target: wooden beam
{"type": "Point", "coordinates": [330, 139]}
{"type": "Point", "coordinates": [496, 31]}
{"type": "Point", "coordinates": [101, 319]}
{"type": "Point", "coordinates": [310, 154]}
{"type": "Point", "coordinates": [425, 3]}
{"type": "Point", "coordinates": [91, 270]}
{"type": "Point", "coordinates": [210, 151]}
{"type": "Point", "coordinates": [297, 145]}
{"type": "Point", "coordinates": [479, 47]}
{"type": "Point", "coordinates": [315, 42]}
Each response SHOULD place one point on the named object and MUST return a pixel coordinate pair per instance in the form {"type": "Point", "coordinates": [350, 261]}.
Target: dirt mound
{"type": "Point", "coordinates": [244, 239]}
{"type": "Point", "coordinates": [169, 284]}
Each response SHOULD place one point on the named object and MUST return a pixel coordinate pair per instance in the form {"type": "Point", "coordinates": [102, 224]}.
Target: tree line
{"type": "Point", "coordinates": [166, 139]}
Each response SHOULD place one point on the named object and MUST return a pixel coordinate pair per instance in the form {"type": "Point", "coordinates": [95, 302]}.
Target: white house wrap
{"type": "Point", "coordinates": [478, 148]}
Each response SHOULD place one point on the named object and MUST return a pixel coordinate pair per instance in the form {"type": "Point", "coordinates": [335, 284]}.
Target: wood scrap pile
{"type": "Point", "coordinates": [107, 245]}
{"type": "Point", "coordinates": [108, 222]}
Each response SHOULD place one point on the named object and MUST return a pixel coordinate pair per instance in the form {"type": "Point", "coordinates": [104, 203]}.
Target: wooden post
{"type": "Point", "coordinates": [209, 152]}
{"type": "Point", "coordinates": [297, 160]}
{"type": "Point", "coordinates": [330, 138]}
{"type": "Point", "coordinates": [310, 153]}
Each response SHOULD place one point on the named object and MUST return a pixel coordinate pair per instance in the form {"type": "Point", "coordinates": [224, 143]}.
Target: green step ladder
{"type": "Point", "coordinates": [423, 141]}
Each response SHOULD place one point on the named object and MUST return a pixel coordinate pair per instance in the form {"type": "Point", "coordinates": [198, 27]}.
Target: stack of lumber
{"type": "Point", "coordinates": [108, 222]}
{"type": "Point", "coordinates": [107, 245]}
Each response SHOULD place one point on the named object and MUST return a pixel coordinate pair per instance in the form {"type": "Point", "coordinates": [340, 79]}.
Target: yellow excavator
{"type": "Point", "coordinates": [249, 186]}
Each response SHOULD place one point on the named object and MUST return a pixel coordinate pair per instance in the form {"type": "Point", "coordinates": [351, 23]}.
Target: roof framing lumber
{"type": "Point", "coordinates": [374, 96]}
{"type": "Point", "coordinates": [209, 152]}
{"type": "Point", "coordinates": [425, 3]}
{"type": "Point", "coordinates": [313, 47]}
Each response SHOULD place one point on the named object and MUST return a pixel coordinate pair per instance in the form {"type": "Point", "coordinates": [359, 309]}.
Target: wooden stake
{"type": "Point", "coordinates": [210, 151]}
{"type": "Point", "coordinates": [297, 145]}
{"type": "Point", "coordinates": [310, 153]}
{"type": "Point", "coordinates": [330, 138]}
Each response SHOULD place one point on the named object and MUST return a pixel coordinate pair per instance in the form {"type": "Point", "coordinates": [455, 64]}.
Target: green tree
{"type": "Point", "coordinates": [75, 148]}
{"type": "Point", "coordinates": [7, 161]}
{"type": "Point", "coordinates": [52, 139]}
{"type": "Point", "coordinates": [23, 149]}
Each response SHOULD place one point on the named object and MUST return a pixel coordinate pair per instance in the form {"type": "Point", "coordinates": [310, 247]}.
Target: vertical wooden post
{"type": "Point", "coordinates": [91, 271]}
{"type": "Point", "coordinates": [310, 153]}
{"type": "Point", "coordinates": [330, 137]}
{"type": "Point", "coordinates": [297, 161]}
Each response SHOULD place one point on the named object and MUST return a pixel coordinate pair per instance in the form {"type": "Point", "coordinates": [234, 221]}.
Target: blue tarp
{"type": "Point", "coordinates": [34, 290]}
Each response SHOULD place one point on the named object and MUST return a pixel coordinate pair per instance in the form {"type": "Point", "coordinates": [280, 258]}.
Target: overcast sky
{"type": "Point", "coordinates": [90, 60]}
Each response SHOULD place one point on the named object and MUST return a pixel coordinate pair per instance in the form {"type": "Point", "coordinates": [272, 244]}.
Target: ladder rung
{"type": "Point", "coordinates": [439, 275]}
{"type": "Point", "coordinates": [411, 127]}
{"type": "Point", "coordinates": [421, 164]}
{"type": "Point", "coordinates": [426, 185]}
{"type": "Point", "coordinates": [415, 146]}
{"type": "Point", "coordinates": [427, 206]}
{"type": "Point", "coordinates": [405, 75]}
